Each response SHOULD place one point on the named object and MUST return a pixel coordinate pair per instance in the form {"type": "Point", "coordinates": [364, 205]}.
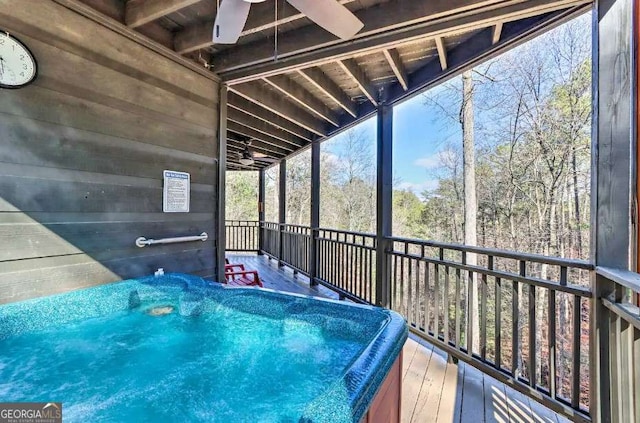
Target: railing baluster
{"type": "Point", "coordinates": [457, 301]}
{"type": "Point", "coordinates": [483, 317]}
{"type": "Point", "coordinates": [445, 300]}
{"type": "Point", "coordinates": [515, 319]}
{"type": "Point", "coordinates": [498, 316]}
{"type": "Point", "coordinates": [417, 302]}
{"type": "Point", "coordinates": [471, 281]}
{"type": "Point", "coordinates": [532, 336]}
{"type": "Point", "coordinates": [401, 287]}
{"type": "Point", "coordinates": [552, 334]}
{"type": "Point", "coordinates": [575, 380]}
{"type": "Point", "coordinates": [410, 318]}
{"type": "Point", "coordinates": [427, 289]}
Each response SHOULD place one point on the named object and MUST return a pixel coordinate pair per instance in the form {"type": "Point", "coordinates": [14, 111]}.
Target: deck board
{"type": "Point", "coordinates": [433, 389]}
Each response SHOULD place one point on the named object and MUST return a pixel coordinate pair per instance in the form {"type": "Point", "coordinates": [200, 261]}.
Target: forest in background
{"type": "Point", "coordinates": [532, 114]}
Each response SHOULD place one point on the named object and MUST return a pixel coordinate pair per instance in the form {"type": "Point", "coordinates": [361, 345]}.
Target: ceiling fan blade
{"type": "Point", "coordinates": [259, 155]}
{"type": "Point", "coordinates": [230, 21]}
{"type": "Point", "coordinates": [267, 159]}
{"type": "Point", "coordinates": [330, 15]}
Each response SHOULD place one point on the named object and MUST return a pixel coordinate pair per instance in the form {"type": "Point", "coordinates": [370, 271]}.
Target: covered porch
{"type": "Point", "coordinates": [582, 366]}
{"type": "Point", "coordinates": [87, 144]}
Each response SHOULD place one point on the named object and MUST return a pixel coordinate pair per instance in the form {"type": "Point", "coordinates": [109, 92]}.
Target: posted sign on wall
{"type": "Point", "coordinates": [177, 192]}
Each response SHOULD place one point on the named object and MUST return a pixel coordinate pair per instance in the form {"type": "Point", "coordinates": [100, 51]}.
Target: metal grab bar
{"type": "Point", "coordinates": [143, 242]}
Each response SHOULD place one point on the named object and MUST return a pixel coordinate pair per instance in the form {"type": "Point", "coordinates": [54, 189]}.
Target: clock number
{"type": "Point", "coordinates": [1, 41]}
{"type": "Point", "coordinates": [22, 57]}
{"type": "Point", "coordinates": [21, 73]}
{"type": "Point", "coordinates": [24, 66]}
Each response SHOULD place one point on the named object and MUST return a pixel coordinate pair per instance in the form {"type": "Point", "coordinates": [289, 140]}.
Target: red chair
{"type": "Point", "coordinates": [241, 277]}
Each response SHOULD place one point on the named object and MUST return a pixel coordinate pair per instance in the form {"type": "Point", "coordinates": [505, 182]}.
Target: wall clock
{"type": "Point", "coordinates": [18, 66]}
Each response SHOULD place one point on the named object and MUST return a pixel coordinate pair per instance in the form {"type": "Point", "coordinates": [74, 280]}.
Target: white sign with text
{"type": "Point", "coordinates": [176, 192]}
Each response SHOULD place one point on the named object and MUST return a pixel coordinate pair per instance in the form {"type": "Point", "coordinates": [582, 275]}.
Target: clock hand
{"type": "Point", "coordinates": [1, 66]}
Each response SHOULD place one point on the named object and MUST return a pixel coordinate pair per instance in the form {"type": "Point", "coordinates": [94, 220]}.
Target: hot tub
{"type": "Point", "coordinates": [178, 348]}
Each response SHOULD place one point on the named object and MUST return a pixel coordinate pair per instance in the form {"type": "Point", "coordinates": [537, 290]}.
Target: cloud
{"type": "Point", "coordinates": [419, 188]}
{"type": "Point", "coordinates": [436, 160]}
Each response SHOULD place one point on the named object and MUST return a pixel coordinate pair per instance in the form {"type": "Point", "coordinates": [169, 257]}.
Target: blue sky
{"type": "Point", "coordinates": [420, 136]}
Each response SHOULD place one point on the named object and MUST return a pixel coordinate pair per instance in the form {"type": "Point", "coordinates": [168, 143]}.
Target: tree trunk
{"type": "Point", "coordinates": [470, 200]}
{"type": "Point", "coordinates": [576, 200]}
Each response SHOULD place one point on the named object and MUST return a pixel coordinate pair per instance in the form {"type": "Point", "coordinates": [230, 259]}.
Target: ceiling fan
{"type": "Point", "coordinates": [329, 14]}
{"type": "Point", "coordinates": [247, 155]}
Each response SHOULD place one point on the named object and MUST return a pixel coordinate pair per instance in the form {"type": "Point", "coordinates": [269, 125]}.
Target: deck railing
{"type": "Point", "coordinates": [616, 332]}
{"type": "Point", "coordinates": [242, 235]}
{"type": "Point", "coordinates": [347, 263]}
{"type": "Point", "coordinates": [524, 319]}
{"type": "Point", "coordinates": [521, 318]}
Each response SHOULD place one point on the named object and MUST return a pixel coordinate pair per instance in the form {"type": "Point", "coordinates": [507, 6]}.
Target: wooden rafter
{"type": "Point", "coordinates": [280, 106]}
{"type": "Point", "coordinates": [253, 109]}
{"type": "Point", "coordinates": [198, 35]}
{"type": "Point", "coordinates": [442, 52]}
{"type": "Point", "coordinates": [277, 145]}
{"type": "Point", "coordinates": [467, 55]}
{"type": "Point", "coordinates": [497, 32]}
{"type": "Point", "coordinates": [257, 145]}
{"type": "Point", "coordinates": [300, 95]}
{"type": "Point", "coordinates": [255, 60]}
{"type": "Point", "coordinates": [322, 82]}
{"type": "Point", "coordinates": [393, 58]}
{"type": "Point", "coordinates": [352, 69]}
{"type": "Point", "coordinates": [264, 127]}
{"type": "Point", "coordinates": [138, 13]}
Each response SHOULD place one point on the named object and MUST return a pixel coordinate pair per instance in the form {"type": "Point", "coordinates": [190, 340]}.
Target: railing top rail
{"type": "Point", "coordinates": [626, 278]}
{"type": "Point", "coordinates": [505, 275]}
{"type": "Point", "coordinates": [291, 225]}
{"type": "Point", "coordinates": [340, 231]}
{"type": "Point", "coordinates": [539, 258]}
{"type": "Point", "coordinates": [235, 221]}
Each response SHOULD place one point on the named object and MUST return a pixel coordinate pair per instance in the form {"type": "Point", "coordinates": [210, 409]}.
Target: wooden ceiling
{"type": "Point", "coordinates": [311, 85]}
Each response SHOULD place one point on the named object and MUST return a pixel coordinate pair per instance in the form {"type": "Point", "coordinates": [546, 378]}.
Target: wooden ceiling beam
{"type": "Point", "coordinates": [497, 32]}
{"type": "Point", "coordinates": [256, 135]}
{"type": "Point", "coordinates": [396, 65]}
{"type": "Point", "coordinates": [261, 18]}
{"type": "Point", "coordinates": [442, 52]}
{"type": "Point", "coordinates": [281, 106]}
{"type": "Point", "coordinates": [351, 68]}
{"type": "Point", "coordinates": [318, 79]}
{"type": "Point", "coordinates": [257, 145]}
{"type": "Point", "coordinates": [305, 48]}
{"type": "Point", "coordinates": [138, 13]}
{"type": "Point", "coordinates": [304, 98]}
{"type": "Point", "coordinates": [474, 51]}
{"type": "Point", "coordinates": [261, 125]}
{"type": "Point", "coordinates": [248, 107]}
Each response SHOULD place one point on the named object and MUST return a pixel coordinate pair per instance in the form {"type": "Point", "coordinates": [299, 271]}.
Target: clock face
{"type": "Point", "coordinates": [17, 64]}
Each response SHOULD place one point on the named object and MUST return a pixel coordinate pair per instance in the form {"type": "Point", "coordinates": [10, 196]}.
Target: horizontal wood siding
{"type": "Point", "coordinates": [82, 152]}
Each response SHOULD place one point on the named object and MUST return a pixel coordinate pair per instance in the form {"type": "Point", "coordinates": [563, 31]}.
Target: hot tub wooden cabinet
{"type": "Point", "coordinates": [387, 403]}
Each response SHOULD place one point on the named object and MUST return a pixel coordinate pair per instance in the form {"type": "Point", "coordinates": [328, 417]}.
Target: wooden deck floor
{"type": "Point", "coordinates": [433, 390]}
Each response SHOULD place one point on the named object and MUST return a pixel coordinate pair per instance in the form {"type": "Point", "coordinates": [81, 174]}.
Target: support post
{"type": "Point", "coordinates": [221, 239]}
{"type": "Point", "coordinates": [315, 213]}
{"type": "Point", "coordinates": [613, 176]}
{"type": "Point", "coordinates": [282, 209]}
{"type": "Point", "coordinates": [384, 193]}
{"type": "Point", "coordinates": [261, 192]}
